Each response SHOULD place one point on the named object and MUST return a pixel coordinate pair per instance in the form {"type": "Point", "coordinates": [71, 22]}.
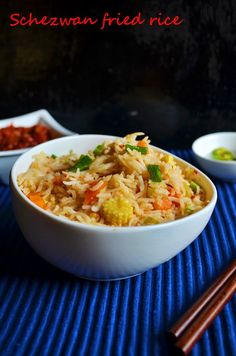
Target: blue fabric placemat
{"type": "Point", "coordinates": [44, 311]}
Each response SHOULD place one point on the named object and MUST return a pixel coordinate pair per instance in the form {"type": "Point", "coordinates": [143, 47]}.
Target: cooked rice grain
{"type": "Point", "coordinates": [118, 172]}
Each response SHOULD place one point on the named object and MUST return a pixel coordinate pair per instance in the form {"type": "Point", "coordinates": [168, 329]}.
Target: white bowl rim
{"type": "Point", "coordinates": [52, 123]}
{"type": "Point", "coordinates": [49, 215]}
{"type": "Point", "coordinates": [195, 151]}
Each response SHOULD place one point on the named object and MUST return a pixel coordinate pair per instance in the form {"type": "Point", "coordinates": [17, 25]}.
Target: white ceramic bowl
{"type": "Point", "coordinates": [101, 252]}
{"type": "Point", "coordinates": [7, 158]}
{"type": "Point", "coordinates": [203, 147]}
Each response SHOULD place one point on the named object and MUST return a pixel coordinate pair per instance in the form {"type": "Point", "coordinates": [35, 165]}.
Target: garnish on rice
{"type": "Point", "coordinates": [124, 182]}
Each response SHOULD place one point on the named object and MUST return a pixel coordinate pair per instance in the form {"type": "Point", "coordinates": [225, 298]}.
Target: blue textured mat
{"type": "Point", "coordinates": [44, 311]}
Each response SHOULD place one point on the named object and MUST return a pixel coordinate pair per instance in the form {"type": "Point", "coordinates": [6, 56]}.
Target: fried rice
{"type": "Point", "coordinates": [124, 182]}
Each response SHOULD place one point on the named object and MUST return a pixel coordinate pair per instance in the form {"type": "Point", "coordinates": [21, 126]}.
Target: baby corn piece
{"type": "Point", "coordinates": [117, 211]}
{"type": "Point", "coordinates": [169, 159]}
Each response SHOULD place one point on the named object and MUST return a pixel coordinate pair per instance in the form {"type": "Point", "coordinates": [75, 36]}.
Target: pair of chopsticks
{"type": "Point", "coordinates": [190, 327]}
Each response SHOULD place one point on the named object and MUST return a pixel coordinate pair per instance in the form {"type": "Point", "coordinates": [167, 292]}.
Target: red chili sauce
{"type": "Point", "coordinates": [13, 138]}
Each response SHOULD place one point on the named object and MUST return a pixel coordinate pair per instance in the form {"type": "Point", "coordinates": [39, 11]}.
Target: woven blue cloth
{"type": "Point", "coordinates": [44, 311]}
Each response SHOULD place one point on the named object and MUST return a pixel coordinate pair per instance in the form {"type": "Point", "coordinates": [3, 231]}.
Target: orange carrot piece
{"type": "Point", "coordinates": [37, 199]}
{"type": "Point", "coordinates": [165, 204]}
{"type": "Point", "coordinates": [142, 143]}
{"type": "Point", "coordinates": [91, 195]}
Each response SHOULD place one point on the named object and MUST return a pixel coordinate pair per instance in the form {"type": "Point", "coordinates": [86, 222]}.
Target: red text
{"type": "Point", "coordinates": [121, 21]}
{"type": "Point", "coordinates": [165, 21]}
{"type": "Point", "coordinates": [18, 20]}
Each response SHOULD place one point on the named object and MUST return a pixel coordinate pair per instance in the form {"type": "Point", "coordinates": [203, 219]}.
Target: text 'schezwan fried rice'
{"type": "Point", "coordinates": [121, 183]}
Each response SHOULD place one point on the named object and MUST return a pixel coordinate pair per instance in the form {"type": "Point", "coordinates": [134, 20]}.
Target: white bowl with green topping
{"type": "Point", "coordinates": [216, 154]}
{"type": "Point", "coordinates": [102, 252]}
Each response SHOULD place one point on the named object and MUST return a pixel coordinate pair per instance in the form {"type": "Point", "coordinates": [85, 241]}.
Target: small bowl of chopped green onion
{"type": "Point", "coordinates": [216, 154]}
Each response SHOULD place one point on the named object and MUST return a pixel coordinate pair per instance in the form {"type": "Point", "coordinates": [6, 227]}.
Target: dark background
{"type": "Point", "coordinates": [174, 84]}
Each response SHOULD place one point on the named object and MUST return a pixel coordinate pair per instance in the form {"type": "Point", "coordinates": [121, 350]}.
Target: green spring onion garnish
{"type": "Point", "coordinates": [154, 172]}
{"type": "Point", "coordinates": [99, 150]}
{"type": "Point", "coordinates": [83, 163]}
{"type": "Point", "coordinates": [142, 150]}
{"type": "Point", "coordinates": [194, 186]}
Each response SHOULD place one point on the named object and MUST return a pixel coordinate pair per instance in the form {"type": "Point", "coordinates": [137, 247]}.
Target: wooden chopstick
{"type": "Point", "coordinates": [190, 327]}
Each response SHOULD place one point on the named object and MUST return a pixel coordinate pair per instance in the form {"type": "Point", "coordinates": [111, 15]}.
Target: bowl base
{"type": "Point", "coordinates": [109, 279]}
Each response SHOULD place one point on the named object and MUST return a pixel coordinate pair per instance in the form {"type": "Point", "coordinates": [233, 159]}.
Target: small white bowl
{"type": "Point", "coordinates": [203, 147]}
{"type": "Point", "coordinates": [7, 158]}
{"type": "Point", "coordinates": [102, 252]}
